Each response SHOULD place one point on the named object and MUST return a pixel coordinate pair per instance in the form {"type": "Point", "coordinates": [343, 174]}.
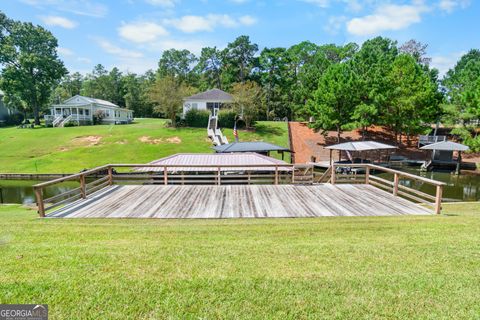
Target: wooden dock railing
{"type": "Point", "coordinates": [362, 173]}
{"type": "Point", "coordinates": [96, 179]}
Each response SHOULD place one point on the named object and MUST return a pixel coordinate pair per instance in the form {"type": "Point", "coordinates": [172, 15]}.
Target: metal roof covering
{"type": "Point", "coordinates": [446, 146]}
{"type": "Point", "coordinates": [213, 95]}
{"type": "Point", "coordinates": [360, 146]}
{"type": "Point", "coordinates": [257, 146]}
{"type": "Point", "coordinates": [216, 159]}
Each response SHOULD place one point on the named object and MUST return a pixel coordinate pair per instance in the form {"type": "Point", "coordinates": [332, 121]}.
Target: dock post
{"type": "Point", "coordinates": [276, 174]}
{"type": "Point", "coordinates": [367, 174]}
{"type": "Point", "coordinates": [165, 175]}
{"type": "Point", "coordinates": [219, 176]}
{"type": "Point", "coordinates": [110, 175]}
{"type": "Point", "coordinates": [333, 178]}
{"type": "Point", "coordinates": [40, 204]}
{"type": "Point", "coordinates": [83, 191]}
{"type": "Point", "coordinates": [438, 199]}
{"type": "Point", "coordinates": [395, 184]}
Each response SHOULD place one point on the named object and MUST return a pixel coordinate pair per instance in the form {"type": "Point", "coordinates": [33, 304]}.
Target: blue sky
{"type": "Point", "coordinates": [131, 34]}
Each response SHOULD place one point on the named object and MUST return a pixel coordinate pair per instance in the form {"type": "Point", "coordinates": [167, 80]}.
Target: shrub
{"type": "Point", "coordinates": [226, 119]}
{"type": "Point", "coordinates": [197, 118]}
{"type": "Point", "coordinates": [98, 116]}
{"type": "Point", "coordinates": [14, 119]}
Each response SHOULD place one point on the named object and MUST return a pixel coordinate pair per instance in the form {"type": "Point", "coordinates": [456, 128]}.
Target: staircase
{"type": "Point", "coordinates": [214, 132]}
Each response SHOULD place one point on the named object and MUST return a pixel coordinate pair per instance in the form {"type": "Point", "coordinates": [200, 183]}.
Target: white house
{"type": "Point", "coordinates": [81, 110]}
{"type": "Point", "coordinates": [211, 100]}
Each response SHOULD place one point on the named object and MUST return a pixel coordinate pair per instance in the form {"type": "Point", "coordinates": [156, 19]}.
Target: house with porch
{"type": "Point", "coordinates": [81, 111]}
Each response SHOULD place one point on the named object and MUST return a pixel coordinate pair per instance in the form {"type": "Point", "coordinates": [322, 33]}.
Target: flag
{"type": "Point", "coordinates": [235, 132]}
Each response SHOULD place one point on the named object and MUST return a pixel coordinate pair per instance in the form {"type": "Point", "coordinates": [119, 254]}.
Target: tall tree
{"type": "Point", "coordinates": [240, 58]}
{"type": "Point", "coordinates": [31, 67]}
{"type": "Point", "coordinates": [412, 98]}
{"type": "Point", "coordinates": [210, 65]}
{"type": "Point", "coordinates": [334, 101]}
{"type": "Point", "coordinates": [417, 50]}
{"type": "Point", "coordinates": [463, 89]}
{"type": "Point", "coordinates": [248, 101]}
{"type": "Point", "coordinates": [177, 64]}
{"type": "Point", "coordinates": [373, 63]}
{"type": "Point", "coordinates": [275, 78]}
{"type": "Point", "coordinates": [167, 94]}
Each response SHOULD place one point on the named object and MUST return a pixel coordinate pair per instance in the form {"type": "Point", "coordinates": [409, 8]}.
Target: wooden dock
{"type": "Point", "coordinates": [238, 201]}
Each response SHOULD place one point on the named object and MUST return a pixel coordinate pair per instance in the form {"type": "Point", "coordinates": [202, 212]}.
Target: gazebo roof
{"type": "Point", "coordinates": [257, 146]}
{"type": "Point", "coordinates": [360, 146]}
{"type": "Point", "coordinates": [213, 95]}
{"type": "Point", "coordinates": [192, 161]}
{"type": "Point", "coordinates": [446, 146]}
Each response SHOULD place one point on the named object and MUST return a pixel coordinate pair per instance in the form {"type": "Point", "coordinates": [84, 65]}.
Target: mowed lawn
{"type": "Point", "coordinates": [319, 268]}
{"type": "Point", "coordinates": [69, 150]}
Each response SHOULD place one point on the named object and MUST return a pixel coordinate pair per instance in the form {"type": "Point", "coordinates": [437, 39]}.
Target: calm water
{"type": "Point", "coordinates": [21, 191]}
{"type": "Point", "coordinates": [459, 188]}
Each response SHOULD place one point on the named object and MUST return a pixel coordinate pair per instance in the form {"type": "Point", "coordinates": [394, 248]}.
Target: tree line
{"type": "Point", "coordinates": [338, 87]}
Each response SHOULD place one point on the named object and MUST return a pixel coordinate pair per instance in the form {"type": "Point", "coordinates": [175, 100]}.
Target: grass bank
{"type": "Point", "coordinates": [69, 150]}
{"type": "Point", "coordinates": [323, 268]}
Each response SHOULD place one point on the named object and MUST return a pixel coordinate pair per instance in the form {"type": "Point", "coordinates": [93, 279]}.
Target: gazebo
{"type": "Point", "coordinates": [359, 147]}
{"type": "Point", "coordinates": [443, 153]}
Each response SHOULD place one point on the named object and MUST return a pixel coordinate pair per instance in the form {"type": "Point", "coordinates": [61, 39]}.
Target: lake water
{"type": "Point", "coordinates": [464, 187]}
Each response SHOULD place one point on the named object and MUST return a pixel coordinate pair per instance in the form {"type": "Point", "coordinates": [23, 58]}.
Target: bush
{"type": "Point", "coordinates": [197, 118]}
{"type": "Point", "coordinates": [69, 124]}
{"type": "Point", "coordinates": [98, 116]}
{"type": "Point", "coordinates": [226, 119]}
{"type": "Point", "coordinates": [14, 119]}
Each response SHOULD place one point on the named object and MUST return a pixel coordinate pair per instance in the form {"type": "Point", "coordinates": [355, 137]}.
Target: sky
{"type": "Point", "coordinates": [132, 34]}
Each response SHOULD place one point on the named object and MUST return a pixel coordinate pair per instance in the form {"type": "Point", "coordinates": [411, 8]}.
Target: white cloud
{"type": "Point", "coordinates": [109, 47]}
{"type": "Point", "coordinates": [320, 3]}
{"type": "Point", "coordinates": [239, 1]}
{"type": "Point", "coordinates": [191, 24]}
{"type": "Point", "coordinates": [192, 45]}
{"type": "Point", "coordinates": [64, 51]}
{"type": "Point", "coordinates": [142, 31]}
{"type": "Point", "coordinates": [445, 62]}
{"type": "Point", "coordinates": [335, 24]}
{"type": "Point", "coordinates": [450, 5]}
{"type": "Point", "coordinates": [387, 18]}
{"type": "Point", "coordinates": [58, 21]}
{"type": "Point", "coordinates": [247, 20]}
{"type": "Point", "coordinates": [79, 7]}
{"type": "Point", "coordinates": [162, 3]}
{"type": "Point", "coordinates": [84, 60]}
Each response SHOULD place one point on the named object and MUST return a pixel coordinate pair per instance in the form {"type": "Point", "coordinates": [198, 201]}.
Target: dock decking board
{"type": "Point", "coordinates": [238, 201]}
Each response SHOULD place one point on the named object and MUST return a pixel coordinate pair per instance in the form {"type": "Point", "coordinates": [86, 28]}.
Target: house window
{"type": "Point", "coordinates": [87, 112]}
{"type": "Point", "coordinates": [107, 113]}
{"type": "Point", "coordinates": [81, 112]}
{"type": "Point", "coordinates": [195, 106]}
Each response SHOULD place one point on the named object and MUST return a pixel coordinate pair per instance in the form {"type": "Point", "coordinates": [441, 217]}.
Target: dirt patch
{"type": "Point", "coordinates": [87, 140]}
{"type": "Point", "coordinates": [63, 149]}
{"type": "Point", "coordinates": [149, 140]}
{"type": "Point", "coordinates": [175, 140]}
{"type": "Point", "coordinates": [122, 142]}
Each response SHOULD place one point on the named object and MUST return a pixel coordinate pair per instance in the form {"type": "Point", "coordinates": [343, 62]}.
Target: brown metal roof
{"type": "Point", "coordinates": [196, 160]}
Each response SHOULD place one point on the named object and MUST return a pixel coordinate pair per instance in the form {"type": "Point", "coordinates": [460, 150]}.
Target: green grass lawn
{"type": "Point", "coordinates": [69, 150]}
{"type": "Point", "coordinates": [406, 267]}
